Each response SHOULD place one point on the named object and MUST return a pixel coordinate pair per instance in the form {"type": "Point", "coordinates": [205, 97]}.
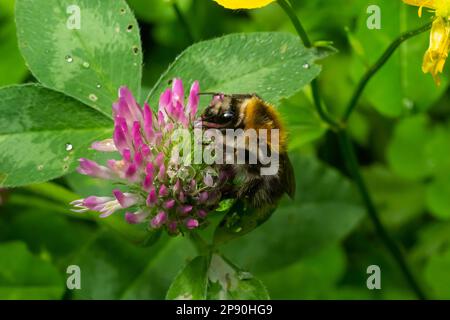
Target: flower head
{"type": "Point", "coordinates": [437, 53]}
{"type": "Point", "coordinates": [160, 189]}
{"type": "Point", "coordinates": [243, 4]}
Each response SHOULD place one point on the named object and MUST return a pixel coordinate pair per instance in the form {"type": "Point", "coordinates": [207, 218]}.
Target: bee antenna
{"type": "Point", "coordinates": [209, 93]}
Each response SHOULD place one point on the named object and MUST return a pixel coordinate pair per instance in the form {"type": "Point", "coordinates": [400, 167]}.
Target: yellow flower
{"type": "Point", "coordinates": [437, 53]}
{"type": "Point", "coordinates": [243, 4]}
{"type": "Point", "coordinates": [441, 7]}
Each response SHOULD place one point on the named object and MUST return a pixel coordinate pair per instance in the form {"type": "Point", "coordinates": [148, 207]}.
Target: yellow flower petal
{"type": "Point", "coordinates": [437, 53]}
{"type": "Point", "coordinates": [422, 3]}
{"type": "Point", "coordinates": [243, 4]}
{"type": "Point", "coordinates": [441, 7]}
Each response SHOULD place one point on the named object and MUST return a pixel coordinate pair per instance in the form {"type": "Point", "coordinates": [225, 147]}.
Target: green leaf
{"type": "Point", "coordinates": [24, 276]}
{"type": "Point", "coordinates": [12, 65]}
{"type": "Point", "coordinates": [155, 279]}
{"type": "Point", "coordinates": [438, 196]}
{"type": "Point", "coordinates": [270, 64]}
{"type": "Point", "coordinates": [406, 152]}
{"type": "Point", "coordinates": [228, 282]}
{"type": "Point", "coordinates": [433, 239]}
{"type": "Point", "coordinates": [325, 211]}
{"type": "Point", "coordinates": [408, 88]}
{"type": "Point", "coordinates": [437, 276]}
{"type": "Point", "coordinates": [303, 123]}
{"type": "Point", "coordinates": [191, 283]}
{"type": "Point", "coordinates": [36, 126]}
{"type": "Point", "coordinates": [161, 11]}
{"type": "Point", "coordinates": [117, 269]}
{"type": "Point", "coordinates": [89, 63]}
{"type": "Point", "coordinates": [399, 200]}
{"type": "Point", "coordinates": [217, 279]}
{"type": "Point", "coordinates": [310, 278]}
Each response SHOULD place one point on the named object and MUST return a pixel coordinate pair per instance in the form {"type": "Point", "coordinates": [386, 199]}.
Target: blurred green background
{"type": "Point", "coordinates": [316, 248]}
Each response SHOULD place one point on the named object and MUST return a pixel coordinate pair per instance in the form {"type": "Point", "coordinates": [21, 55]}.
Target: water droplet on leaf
{"type": "Point", "coordinates": [69, 59]}
{"type": "Point", "coordinates": [306, 66]}
{"type": "Point", "coordinates": [93, 97]}
{"type": "Point", "coordinates": [69, 147]}
{"type": "Point", "coordinates": [86, 65]}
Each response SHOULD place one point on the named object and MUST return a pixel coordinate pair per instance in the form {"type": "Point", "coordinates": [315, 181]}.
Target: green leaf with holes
{"type": "Point", "coordinates": [24, 276]}
{"type": "Point", "coordinates": [274, 65]}
{"type": "Point", "coordinates": [86, 49]}
{"type": "Point", "coordinates": [43, 133]}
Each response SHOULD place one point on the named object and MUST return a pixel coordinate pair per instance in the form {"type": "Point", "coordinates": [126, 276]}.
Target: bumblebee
{"type": "Point", "coordinates": [249, 111]}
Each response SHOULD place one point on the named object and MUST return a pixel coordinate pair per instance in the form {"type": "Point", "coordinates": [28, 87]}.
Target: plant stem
{"type": "Point", "coordinates": [378, 65]}
{"type": "Point", "coordinates": [183, 21]}
{"type": "Point", "coordinates": [347, 149]}
{"type": "Point", "coordinates": [308, 44]}
{"type": "Point", "coordinates": [348, 152]}
{"type": "Point", "coordinates": [296, 22]}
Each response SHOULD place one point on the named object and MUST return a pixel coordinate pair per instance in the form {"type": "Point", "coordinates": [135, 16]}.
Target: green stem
{"type": "Point", "coordinates": [307, 42]}
{"type": "Point", "coordinates": [183, 21]}
{"type": "Point", "coordinates": [347, 149]}
{"type": "Point", "coordinates": [296, 22]}
{"type": "Point", "coordinates": [378, 65]}
{"type": "Point", "coordinates": [348, 153]}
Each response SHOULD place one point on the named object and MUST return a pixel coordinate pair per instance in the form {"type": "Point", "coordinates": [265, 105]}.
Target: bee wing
{"type": "Point", "coordinates": [288, 175]}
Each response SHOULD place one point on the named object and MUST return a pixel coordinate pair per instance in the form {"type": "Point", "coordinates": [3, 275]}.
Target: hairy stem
{"type": "Point", "coordinates": [377, 66]}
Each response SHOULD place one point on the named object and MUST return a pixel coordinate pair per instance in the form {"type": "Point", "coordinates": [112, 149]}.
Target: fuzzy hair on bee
{"type": "Point", "coordinates": [246, 112]}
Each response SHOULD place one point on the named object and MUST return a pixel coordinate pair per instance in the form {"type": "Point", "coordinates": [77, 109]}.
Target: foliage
{"type": "Point", "coordinates": [317, 245]}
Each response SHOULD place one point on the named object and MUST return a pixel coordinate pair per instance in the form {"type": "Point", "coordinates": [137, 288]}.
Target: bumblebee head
{"type": "Point", "coordinates": [224, 111]}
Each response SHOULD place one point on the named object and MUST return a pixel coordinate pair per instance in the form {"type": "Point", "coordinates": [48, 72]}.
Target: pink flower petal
{"type": "Point", "coordinates": [152, 198]}
{"type": "Point", "coordinates": [169, 204]}
{"type": "Point", "coordinates": [125, 199]}
{"type": "Point", "coordinates": [163, 192]}
{"type": "Point", "coordinates": [192, 223]}
{"type": "Point", "coordinates": [136, 217]}
{"type": "Point", "coordinates": [194, 99]}
{"type": "Point", "coordinates": [165, 99]}
{"type": "Point", "coordinates": [106, 145]}
{"type": "Point", "coordinates": [148, 182]}
{"type": "Point", "coordinates": [159, 219]}
{"type": "Point", "coordinates": [177, 90]}
{"type": "Point", "coordinates": [93, 169]}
